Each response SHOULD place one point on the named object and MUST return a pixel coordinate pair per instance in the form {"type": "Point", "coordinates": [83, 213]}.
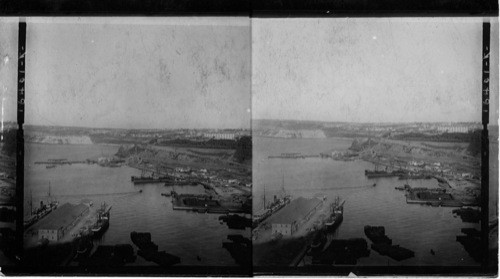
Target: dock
{"type": "Point", "coordinates": [293, 156]}
{"type": "Point", "coordinates": [197, 203]}
{"type": "Point", "coordinates": [64, 224]}
{"type": "Point", "coordinates": [60, 162]}
{"type": "Point", "coordinates": [431, 197]}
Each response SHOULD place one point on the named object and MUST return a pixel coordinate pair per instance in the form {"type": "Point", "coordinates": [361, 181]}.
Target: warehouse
{"type": "Point", "coordinates": [289, 219]}
{"type": "Point", "coordinates": [56, 224]}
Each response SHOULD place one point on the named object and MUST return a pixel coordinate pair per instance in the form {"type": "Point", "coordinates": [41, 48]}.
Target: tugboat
{"type": "Point", "coordinates": [337, 215]}
{"type": "Point", "coordinates": [102, 223]}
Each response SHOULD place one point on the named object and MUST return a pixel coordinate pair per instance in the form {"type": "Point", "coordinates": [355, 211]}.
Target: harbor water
{"type": "Point", "coordinates": [416, 227]}
{"type": "Point", "coordinates": [195, 238]}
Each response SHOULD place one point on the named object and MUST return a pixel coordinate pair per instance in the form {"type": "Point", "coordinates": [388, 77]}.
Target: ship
{"type": "Point", "coordinates": [273, 207]}
{"type": "Point", "coordinates": [166, 194]}
{"type": "Point", "coordinates": [40, 212]}
{"type": "Point", "coordinates": [150, 179]}
{"type": "Point", "coordinates": [403, 188]}
{"type": "Point", "coordinates": [383, 173]}
{"type": "Point", "coordinates": [180, 182]}
{"type": "Point", "coordinates": [337, 215]}
{"type": "Point", "coordinates": [102, 223]}
{"type": "Point", "coordinates": [377, 173]}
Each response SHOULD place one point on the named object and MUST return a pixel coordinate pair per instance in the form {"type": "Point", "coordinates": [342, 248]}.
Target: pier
{"type": "Point", "coordinates": [293, 156]}
{"type": "Point", "coordinates": [61, 162]}
{"type": "Point", "coordinates": [434, 197]}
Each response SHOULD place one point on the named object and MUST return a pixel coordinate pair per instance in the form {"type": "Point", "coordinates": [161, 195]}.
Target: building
{"type": "Point", "coordinates": [220, 136]}
{"type": "Point", "coordinates": [58, 223]}
{"type": "Point", "coordinates": [289, 219]}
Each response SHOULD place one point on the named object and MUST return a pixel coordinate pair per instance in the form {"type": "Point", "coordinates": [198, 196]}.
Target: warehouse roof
{"type": "Point", "coordinates": [296, 210]}
{"type": "Point", "coordinates": [61, 217]}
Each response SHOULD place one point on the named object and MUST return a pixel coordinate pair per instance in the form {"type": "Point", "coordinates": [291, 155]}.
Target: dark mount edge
{"type": "Point", "coordinates": [228, 271]}
{"type": "Point", "coordinates": [20, 140]}
{"type": "Point", "coordinates": [258, 8]}
{"type": "Point", "coordinates": [485, 95]}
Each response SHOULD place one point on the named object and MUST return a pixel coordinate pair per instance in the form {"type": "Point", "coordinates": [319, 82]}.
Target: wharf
{"type": "Point", "coordinates": [77, 221]}
{"type": "Point", "coordinates": [198, 203]}
{"type": "Point", "coordinates": [146, 169]}
{"type": "Point", "coordinates": [292, 156]}
{"type": "Point", "coordinates": [434, 198]}
{"type": "Point", "coordinates": [143, 180]}
{"type": "Point", "coordinates": [60, 162]}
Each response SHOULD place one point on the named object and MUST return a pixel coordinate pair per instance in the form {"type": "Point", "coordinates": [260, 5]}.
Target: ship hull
{"type": "Point", "coordinates": [99, 231]}
{"type": "Point", "coordinates": [84, 250]}
{"type": "Point", "coordinates": [143, 180]}
{"type": "Point", "coordinates": [332, 226]}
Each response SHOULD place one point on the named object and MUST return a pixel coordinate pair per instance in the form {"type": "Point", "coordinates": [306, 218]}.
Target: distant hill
{"type": "Point", "coordinates": [403, 131]}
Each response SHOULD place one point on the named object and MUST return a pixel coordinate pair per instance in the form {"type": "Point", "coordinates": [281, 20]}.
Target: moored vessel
{"type": "Point", "coordinates": [102, 223]}
{"type": "Point", "coordinates": [337, 215]}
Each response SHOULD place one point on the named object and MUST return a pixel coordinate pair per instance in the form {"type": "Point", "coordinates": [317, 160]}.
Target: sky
{"type": "Point", "coordinates": [139, 73]}
{"type": "Point", "coordinates": [8, 69]}
{"type": "Point", "coordinates": [370, 69]}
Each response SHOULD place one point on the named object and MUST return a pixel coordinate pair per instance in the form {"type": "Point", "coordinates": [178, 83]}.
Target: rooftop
{"type": "Point", "coordinates": [296, 210]}
{"type": "Point", "coordinates": [61, 217]}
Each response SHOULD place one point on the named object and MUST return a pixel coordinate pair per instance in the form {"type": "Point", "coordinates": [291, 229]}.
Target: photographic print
{"type": "Point", "coordinates": [367, 142]}
{"type": "Point", "coordinates": [138, 142]}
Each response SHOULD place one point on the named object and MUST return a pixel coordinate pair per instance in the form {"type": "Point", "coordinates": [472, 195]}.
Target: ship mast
{"type": "Point", "coordinates": [31, 201]}
{"type": "Point", "coordinates": [283, 183]}
{"type": "Point", "coordinates": [264, 196]}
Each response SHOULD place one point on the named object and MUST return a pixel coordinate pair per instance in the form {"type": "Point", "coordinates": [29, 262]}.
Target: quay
{"type": "Point", "coordinates": [60, 162]}
{"type": "Point", "coordinates": [434, 197]}
{"type": "Point", "coordinates": [197, 203]}
{"type": "Point", "coordinates": [148, 180]}
{"type": "Point", "coordinates": [203, 203]}
{"type": "Point", "coordinates": [292, 156]}
{"type": "Point", "coordinates": [64, 224]}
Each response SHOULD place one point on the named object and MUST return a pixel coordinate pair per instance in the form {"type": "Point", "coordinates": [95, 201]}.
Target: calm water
{"type": "Point", "coordinates": [416, 227]}
{"type": "Point", "coordinates": [181, 233]}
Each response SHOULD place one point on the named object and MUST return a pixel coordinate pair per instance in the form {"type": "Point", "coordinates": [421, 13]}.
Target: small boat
{"type": "Point", "coordinates": [50, 166]}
